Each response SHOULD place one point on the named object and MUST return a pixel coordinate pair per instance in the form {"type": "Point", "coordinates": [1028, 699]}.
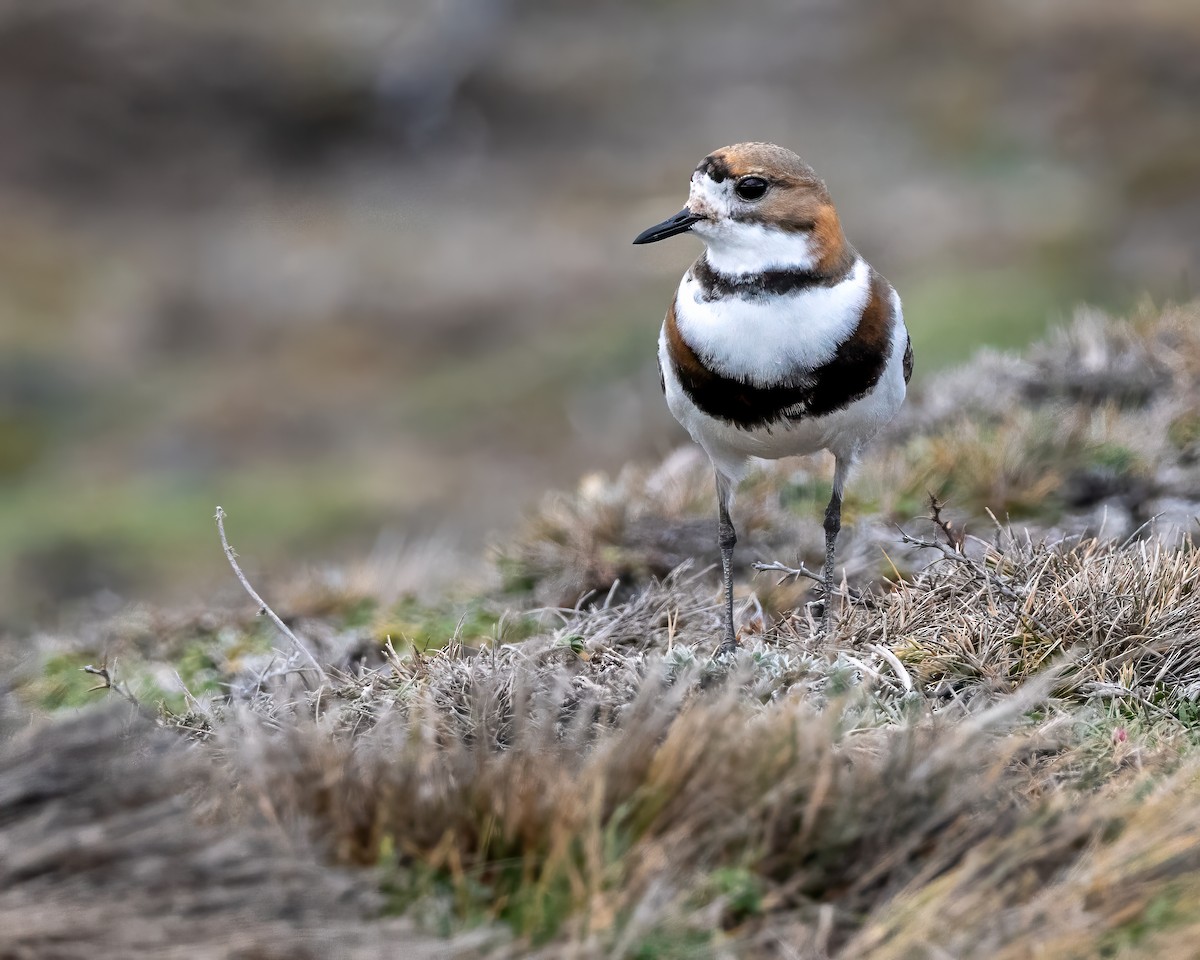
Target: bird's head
{"type": "Point", "coordinates": [758, 206]}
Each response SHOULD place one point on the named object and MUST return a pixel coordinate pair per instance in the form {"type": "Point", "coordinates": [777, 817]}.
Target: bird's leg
{"type": "Point", "coordinates": [833, 523]}
{"type": "Point", "coordinates": [727, 538]}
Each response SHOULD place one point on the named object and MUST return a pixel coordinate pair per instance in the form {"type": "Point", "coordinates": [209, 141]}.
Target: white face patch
{"type": "Point", "coordinates": [769, 340]}
{"type": "Point", "coordinates": [709, 198]}
{"type": "Point", "coordinates": [736, 248]}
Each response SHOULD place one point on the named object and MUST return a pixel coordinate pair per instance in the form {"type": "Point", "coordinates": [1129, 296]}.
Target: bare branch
{"type": "Point", "coordinates": [108, 681]}
{"type": "Point", "coordinates": [796, 573]}
{"type": "Point", "coordinates": [262, 604]}
{"type": "Point", "coordinates": [954, 536]}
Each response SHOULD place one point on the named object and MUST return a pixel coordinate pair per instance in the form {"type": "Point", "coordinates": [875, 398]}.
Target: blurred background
{"type": "Point", "coordinates": [361, 272]}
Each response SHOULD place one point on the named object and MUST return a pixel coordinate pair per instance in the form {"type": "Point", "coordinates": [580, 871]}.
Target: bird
{"type": "Point", "coordinates": [780, 340]}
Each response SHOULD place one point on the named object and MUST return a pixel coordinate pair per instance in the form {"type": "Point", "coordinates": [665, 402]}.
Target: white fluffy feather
{"type": "Point", "coordinates": [764, 340]}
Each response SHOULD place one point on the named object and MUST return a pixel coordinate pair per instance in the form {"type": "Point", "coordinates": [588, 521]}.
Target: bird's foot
{"type": "Point", "coordinates": [820, 617]}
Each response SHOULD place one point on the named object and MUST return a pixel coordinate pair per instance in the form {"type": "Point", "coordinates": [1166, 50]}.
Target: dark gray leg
{"type": "Point", "coordinates": [833, 523]}
{"type": "Point", "coordinates": [727, 538]}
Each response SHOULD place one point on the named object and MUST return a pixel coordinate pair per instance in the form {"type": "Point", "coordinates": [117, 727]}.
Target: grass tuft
{"type": "Point", "coordinates": [993, 753]}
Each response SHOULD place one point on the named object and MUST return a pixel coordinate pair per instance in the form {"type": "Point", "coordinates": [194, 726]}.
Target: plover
{"type": "Point", "coordinates": [781, 340]}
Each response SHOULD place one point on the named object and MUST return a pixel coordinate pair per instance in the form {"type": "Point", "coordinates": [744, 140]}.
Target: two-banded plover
{"type": "Point", "coordinates": [780, 340]}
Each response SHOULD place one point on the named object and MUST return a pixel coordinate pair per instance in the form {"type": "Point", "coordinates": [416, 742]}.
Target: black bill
{"type": "Point", "coordinates": [673, 226]}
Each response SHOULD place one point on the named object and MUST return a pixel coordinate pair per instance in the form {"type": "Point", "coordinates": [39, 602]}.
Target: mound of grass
{"type": "Point", "coordinates": [993, 752]}
{"type": "Point", "coordinates": [1088, 432]}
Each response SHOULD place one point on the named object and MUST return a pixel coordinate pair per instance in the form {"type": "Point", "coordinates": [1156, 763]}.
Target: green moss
{"type": "Point", "coordinates": [742, 891]}
{"type": "Point", "coordinates": [62, 684]}
{"type": "Point", "coordinates": [536, 909]}
{"type": "Point", "coordinates": [424, 895]}
{"type": "Point", "coordinates": [205, 660]}
{"type": "Point", "coordinates": [516, 891]}
{"type": "Point", "coordinates": [199, 669]}
{"type": "Point", "coordinates": [360, 612]}
{"type": "Point", "coordinates": [1114, 457]}
{"type": "Point", "coordinates": [431, 627]}
{"type": "Point", "coordinates": [667, 944]}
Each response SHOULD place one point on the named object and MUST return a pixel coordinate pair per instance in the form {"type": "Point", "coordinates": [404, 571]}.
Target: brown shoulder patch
{"type": "Point", "coordinates": [878, 317]}
{"type": "Point", "coordinates": [683, 358]}
{"type": "Point", "coordinates": [908, 360]}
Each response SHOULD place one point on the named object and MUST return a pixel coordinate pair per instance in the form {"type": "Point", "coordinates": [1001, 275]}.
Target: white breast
{"type": "Point", "coordinates": [845, 432]}
{"type": "Point", "coordinates": [768, 339]}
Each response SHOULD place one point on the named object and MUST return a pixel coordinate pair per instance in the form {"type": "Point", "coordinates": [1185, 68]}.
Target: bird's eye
{"type": "Point", "coordinates": [751, 188]}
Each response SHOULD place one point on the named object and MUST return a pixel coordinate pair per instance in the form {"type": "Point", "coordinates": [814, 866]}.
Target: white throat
{"type": "Point", "coordinates": [737, 249]}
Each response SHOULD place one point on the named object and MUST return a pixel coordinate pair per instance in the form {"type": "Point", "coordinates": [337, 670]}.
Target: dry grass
{"type": "Point", "coordinates": [992, 755]}
{"type": "Point", "coordinates": [1105, 876]}
{"type": "Point", "coordinates": [695, 814]}
{"type": "Point", "coordinates": [1094, 431]}
{"type": "Point", "coordinates": [1127, 615]}
{"type": "Point", "coordinates": [110, 848]}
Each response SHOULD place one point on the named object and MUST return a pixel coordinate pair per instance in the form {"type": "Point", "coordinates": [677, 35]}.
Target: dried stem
{"type": "Point", "coordinates": [954, 536]}
{"type": "Point", "coordinates": [109, 681]}
{"type": "Point", "coordinates": [283, 628]}
{"type": "Point", "coordinates": [796, 573]}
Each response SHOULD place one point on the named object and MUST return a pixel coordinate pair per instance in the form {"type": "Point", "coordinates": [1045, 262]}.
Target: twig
{"type": "Point", "coordinates": [788, 572]}
{"type": "Point", "coordinates": [110, 682]}
{"type": "Point", "coordinates": [802, 571]}
{"type": "Point", "coordinates": [262, 604]}
{"type": "Point", "coordinates": [954, 536]}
